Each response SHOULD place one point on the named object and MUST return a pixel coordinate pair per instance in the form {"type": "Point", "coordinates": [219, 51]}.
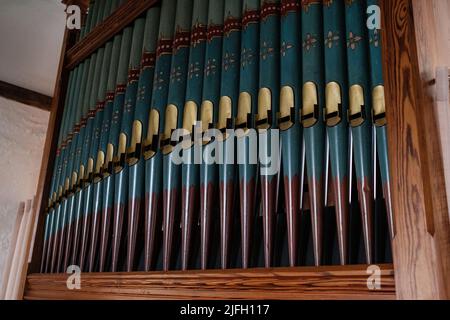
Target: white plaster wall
{"type": "Point", "coordinates": [22, 136]}
{"type": "Point", "coordinates": [31, 34]}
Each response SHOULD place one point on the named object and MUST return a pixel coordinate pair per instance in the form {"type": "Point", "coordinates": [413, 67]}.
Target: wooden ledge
{"type": "Point", "coordinates": [336, 282]}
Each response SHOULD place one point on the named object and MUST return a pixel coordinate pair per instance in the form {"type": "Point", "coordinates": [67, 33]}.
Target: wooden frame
{"type": "Point", "coordinates": [421, 246]}
{"type": "Point", "coordinates": [279, 283]}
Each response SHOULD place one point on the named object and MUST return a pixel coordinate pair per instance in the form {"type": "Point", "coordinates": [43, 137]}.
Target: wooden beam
{"type": "Point", "coordinates": [332, 282]}
{"type": "Point", "coordinates": [113, 25]}
{"type": "Point", "coordinates": [25, 96]}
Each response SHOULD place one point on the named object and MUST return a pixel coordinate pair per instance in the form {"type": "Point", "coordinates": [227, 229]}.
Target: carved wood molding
{"type": "Point", "coordinates": [335, 282]}
{"type": "Point", "coordinates": [113, 25]}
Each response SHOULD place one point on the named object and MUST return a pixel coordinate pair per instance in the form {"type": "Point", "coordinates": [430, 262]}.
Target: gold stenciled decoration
{"type": "Point", "coordinates": [310, 105]}
{"type": "Point", "coordinates": [206, 117]}
{"type": "Point", "coordinates": [225, 113]}
{"type": "Point", "coordinates": [287, 103]}
{"type": "Point", "coordinates": [99, 165]}
{"type": "Point", "coordinates": [66, 186]}
{"type": "Point", "coordinates": [244, 109]}
{"type": "Point", "coordinates": [136, 138]}
{"type": "Point", "coordinates": [333, 104]}
{"type": "Point", "coordinates": [153, 130]}
{"type": "Point", "coordinates": [60, 193]}
{"type": "Point", "coordinates": [189, 119]}
{"type": "Point", "coordinates": [74, 180]}
{"type": "Point", "coordinates": [89, 169]}
{"type": "Point", "coordinates": [264, 105]}
{"type": "Point", "coordinates": [170, 125]}
{"type": "Point", "coordinates": [109, 159]}
{"type": "Point", "coordinates": [379, 106]}
{"type": "Point", "coordinates": [121, 150]}
{"type": "Point", "coordinates": [356, 111]}
{"type": "Point", "coordinates": [80, 176]}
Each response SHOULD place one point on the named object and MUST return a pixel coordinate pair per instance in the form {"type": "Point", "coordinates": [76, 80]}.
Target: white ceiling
{"type": "Point", "coordinates": [31, 35]}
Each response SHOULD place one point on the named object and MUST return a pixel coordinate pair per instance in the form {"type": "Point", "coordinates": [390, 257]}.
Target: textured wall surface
{"type": "Point", "coordinates": [22, 135]}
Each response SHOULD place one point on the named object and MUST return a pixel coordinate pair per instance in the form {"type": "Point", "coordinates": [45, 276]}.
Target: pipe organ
{"type": "Point", "coordinates": [273, 149]}
{"type": "Point", "coordinates": [224, 134]}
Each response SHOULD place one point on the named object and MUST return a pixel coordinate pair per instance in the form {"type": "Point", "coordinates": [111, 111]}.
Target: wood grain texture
{"type": "Point", "coordinates": [113, 25]}
{"type": "Point", "coordinates": [25, 96]}
{"type": "Point", "coordinates": [349, 282]}
{"type": "Point", "coordinates": [431, 23]}
{"type": "Point", "coordinates": [420, 248]}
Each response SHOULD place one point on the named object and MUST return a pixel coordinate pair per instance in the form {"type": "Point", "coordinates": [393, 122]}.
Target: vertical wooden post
{"type": "Point", "coordinates": [421, 247]}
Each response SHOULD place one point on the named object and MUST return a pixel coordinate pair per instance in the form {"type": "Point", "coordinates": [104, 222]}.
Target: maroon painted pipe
{"type": "Point", "coordinates": [340, 189]}
{"type": "Point", "coordinates": [151, 219]}
{"type": "Point", "coordinates": [104, 237]}
{"type": "Point", "coordinates": [365, 197]}
{"type": "Point", "coordinates": [292, 204]}
{"type": "Point", "coordinates": [316, 205]}
{"type": "Point", "coordinates": [119, 212]}
{"type": "Point", "coordinates": [188, 205]}
{"type": "Point", "coordinates": [247, 202]}
{"type": "Point", "coordinates": [134, 207]}
{"type": "Point", "coordinates": [206, 208]}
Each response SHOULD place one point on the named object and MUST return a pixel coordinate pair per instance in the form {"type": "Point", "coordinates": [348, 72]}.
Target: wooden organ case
{"type": "Point", "coordinates": [411, 251]}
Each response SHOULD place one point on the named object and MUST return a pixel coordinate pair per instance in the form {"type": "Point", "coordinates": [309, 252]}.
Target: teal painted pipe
{"type": "Point", "coordinates": [48, 235]}
{"type": "Point", "coordinates": [120, 165]}
{"type": "Point", "coordinates": [104, 158]}
{"type": "Point", "coordinates": [113, 153]}
{"type": "Point", "coordinates": [78, 168]}
{"type": "Point", "coordinates": [86, 126]}
{"type": "Point", "coordinates": [229, 92]}
{"type": "Point", "coordinates": [314, 129]}
{"type": "Point", "coordinates": [151, 148]}
{"type": "Point", "coordinates": [379, 116]}
{"type": "Point", "coordinates": [335, 112]}
{"type": "Point", "coordinates": [291, 131]}
{"type": "Point", "coordinates": [135, 160]}
{"type": "Point", "coordinates": [194, 88]}
{"type": "Point", "coordinates": [73, 171]}
{"type": "Point", "coordinates": [63, 186]}
{"type": "Point", "coordinates": [62, 256]}
{"type": "Point", "coordinates": [88, 22]}
{"type": "Point", "coordinates": [247, 107]}
{"type": "Point", "coordinates": [54, 196]}
{"type": "Point", "coordinates": [268, 107]}
{"type": "Point", "coordinates": [360, 114]}
{"type": "Point", "coordinates": [98, 149]}
{"type": "Point", "coordinates": [208, 117]}
{"type": "Point", "coordinates": [173, 121]}
{"type": "Point", "coordinates": [105, 98]}
{"type": "Point", "coordinates": [92, 136]}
